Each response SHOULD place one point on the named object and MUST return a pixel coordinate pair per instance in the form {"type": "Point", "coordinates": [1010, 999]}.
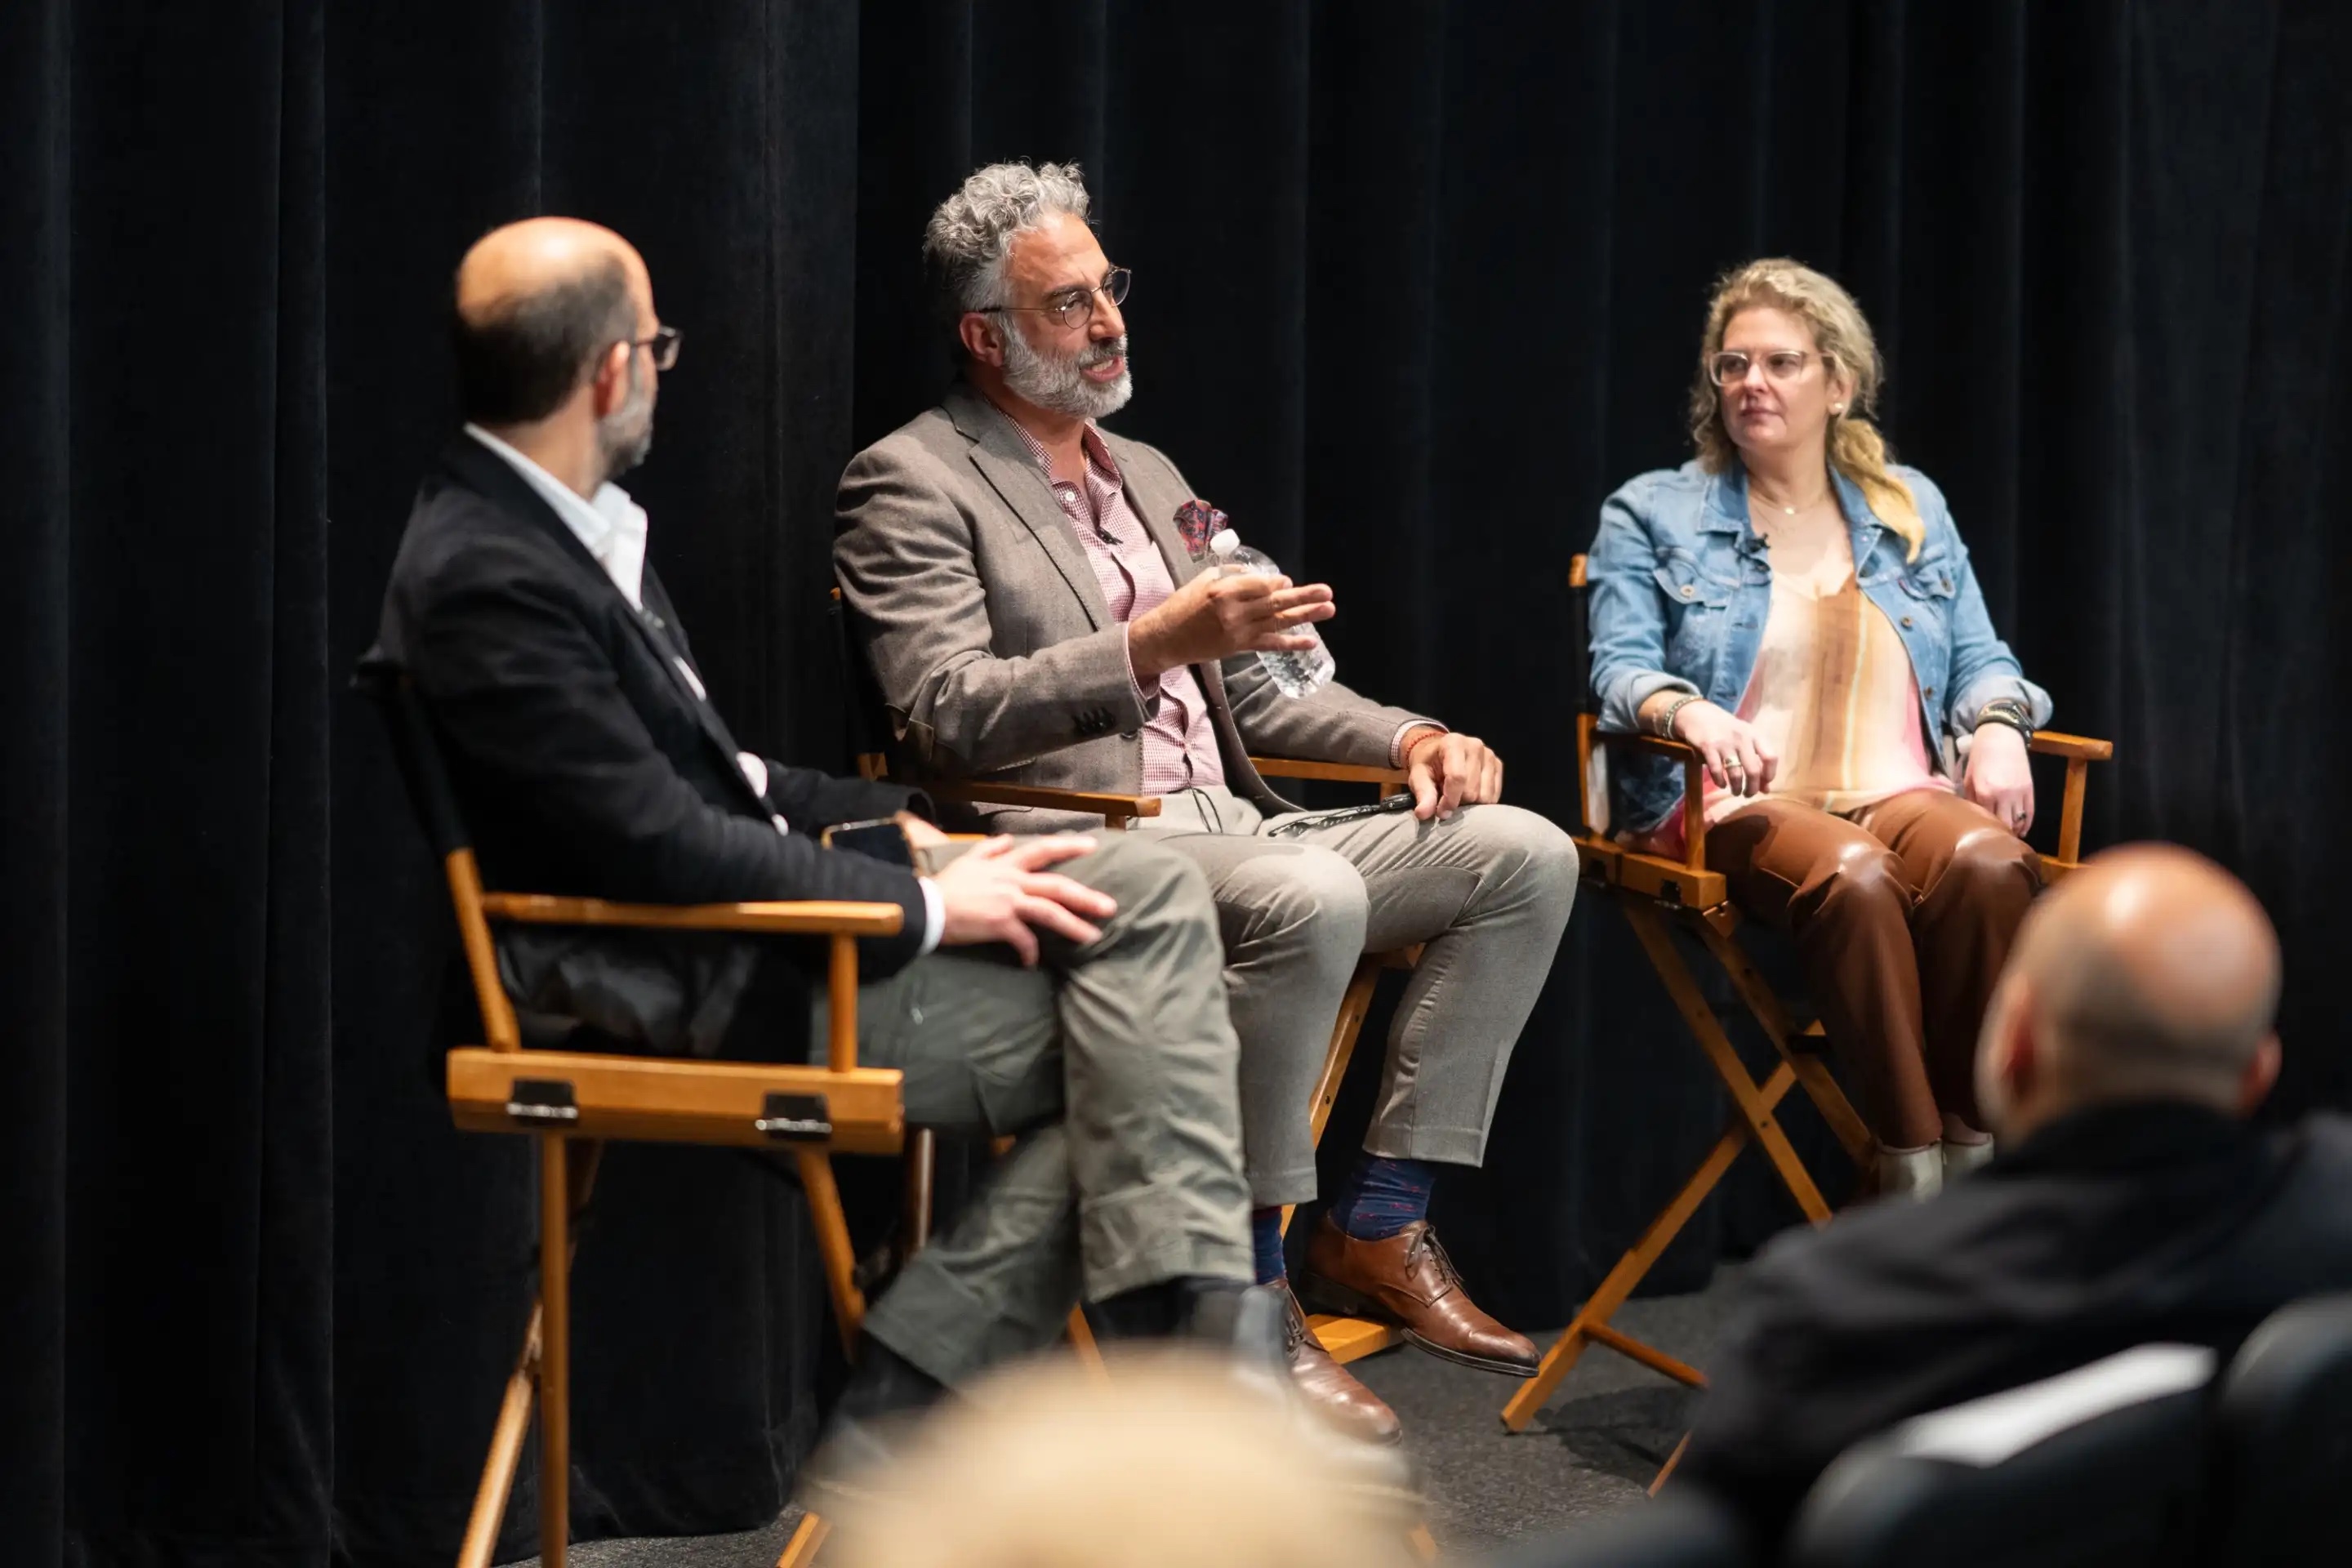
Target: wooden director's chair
{"type": "Point", "coordinates": [570, 1103]}
{"type": "Point", "coordinates": [1658, 894]}
{"type": "Point", "coordinates": [1347, 1339]}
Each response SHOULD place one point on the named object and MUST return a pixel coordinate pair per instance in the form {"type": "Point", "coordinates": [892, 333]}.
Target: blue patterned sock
{"type": "Point", "coordinates": [1266, 1240]}
{"type": "Point", "coordinates": [1383, 1196]}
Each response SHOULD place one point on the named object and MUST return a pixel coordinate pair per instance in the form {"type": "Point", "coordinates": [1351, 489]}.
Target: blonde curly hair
{"type": "Point", "coordinates": [1843, 336]}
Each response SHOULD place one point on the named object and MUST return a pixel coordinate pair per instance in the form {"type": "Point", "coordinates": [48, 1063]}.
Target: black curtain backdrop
{"type": "Point", "coordinates": [1416, 287]}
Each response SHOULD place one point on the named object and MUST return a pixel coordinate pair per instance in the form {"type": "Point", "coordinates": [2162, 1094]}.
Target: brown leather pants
{"type": "Point", "coordinates": [1903, 915]}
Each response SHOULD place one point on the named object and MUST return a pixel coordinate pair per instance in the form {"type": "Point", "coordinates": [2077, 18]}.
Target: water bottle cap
{"type": "Point", "coordinates": [1224, 541]}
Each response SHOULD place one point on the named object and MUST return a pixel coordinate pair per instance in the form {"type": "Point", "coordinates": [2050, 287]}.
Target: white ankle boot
{"type": "Point", "coordinates": [1959, 1159]}
{"type": "Point", "coordinates": [1914, 1174]}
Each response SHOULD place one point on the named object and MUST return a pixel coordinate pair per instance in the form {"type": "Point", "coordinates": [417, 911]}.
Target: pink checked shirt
{"type": "Point", "coordinates": [1179, 744]}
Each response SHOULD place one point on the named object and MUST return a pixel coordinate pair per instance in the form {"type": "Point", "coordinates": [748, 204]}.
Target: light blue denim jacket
{"type": "Point", "coordinates": [1680, 584]}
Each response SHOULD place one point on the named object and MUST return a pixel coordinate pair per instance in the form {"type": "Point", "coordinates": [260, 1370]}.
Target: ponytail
{"type": "Point", "coordinates": [1859, 452]}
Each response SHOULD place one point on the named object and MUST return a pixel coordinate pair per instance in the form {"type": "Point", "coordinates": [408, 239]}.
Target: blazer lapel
{"type": "Point", "coordinates": [487, 474]}
{"type": "Point", "coordinates": [1012, 474]}
{"type": "Point", "coordinates": [657, 626]}
{"type": "Point", "coordinates": [1155, 503]}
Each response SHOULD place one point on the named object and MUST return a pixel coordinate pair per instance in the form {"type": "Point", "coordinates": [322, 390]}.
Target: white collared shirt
{"type": "Point", "coordinates": [613, 529]}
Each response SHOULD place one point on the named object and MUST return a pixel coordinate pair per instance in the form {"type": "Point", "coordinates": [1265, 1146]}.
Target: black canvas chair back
{"type": "Point", "coordinates": [1681, 1528]}
{"type": "Point", "coordinates": [2282, 1441]}
{"type": "Point", "coordinates": [861, 699]}
{"type": "Point", "coordinates": [2118, 1483]}
{"type": "Point", "coordinates": [416, 749]}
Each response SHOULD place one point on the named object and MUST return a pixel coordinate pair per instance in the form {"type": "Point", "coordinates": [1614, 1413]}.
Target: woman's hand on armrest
{"type": "Point", "coordinates": [1999, 777]}
{"type": "Point", "coordinates": [1738, 759]}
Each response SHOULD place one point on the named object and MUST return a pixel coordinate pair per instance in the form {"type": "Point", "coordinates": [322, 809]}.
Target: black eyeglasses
{"type": "Point", "coordinates": [1076, 307]}
{"type": "Point", "coordinates": [1729, 368]}
{"type": "Point", "coordinates": [663, 345]}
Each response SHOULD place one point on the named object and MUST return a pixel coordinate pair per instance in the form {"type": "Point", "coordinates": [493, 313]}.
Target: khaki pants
{"type": "Point", "coordinates": [1115, 1066]}
{"type": "Point", "coordinates": [1489, 889]}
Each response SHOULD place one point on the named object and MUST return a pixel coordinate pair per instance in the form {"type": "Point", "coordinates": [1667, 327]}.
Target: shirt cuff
{"type": "Point", "coordinates": [755, 772]}
{"type": "Point", "coordinates": [1396, 741]}
{"type": "Point", "coordinates": [935, 917]}
{"type": "Point", "coordinates": [1146, 701]}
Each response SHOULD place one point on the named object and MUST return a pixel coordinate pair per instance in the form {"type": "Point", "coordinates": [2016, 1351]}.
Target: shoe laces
{"type": "Point", "coordinates": [1293, 1330]}
{"type": "Point", "coordinates": [1426, 1245]}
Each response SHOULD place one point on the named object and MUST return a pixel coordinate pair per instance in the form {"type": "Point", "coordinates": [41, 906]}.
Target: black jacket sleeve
{"type": "Point", "coordinates": [811, 800]}
{"type": "Point", "coordinates": [530, 698]}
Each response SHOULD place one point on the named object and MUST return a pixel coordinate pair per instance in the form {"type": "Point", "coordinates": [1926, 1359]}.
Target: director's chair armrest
{"type": "Point", "coordinates": [1694, 783]}
{"type": "Point", "coordinates": [812, 917]}
{"type": "Point", "coordinates": [1391, 779]}
{"type": "Point", "coordinates": [840, 920]}
{"type": "Point", "coordinates": [1115, 810]}
{"type": "Point", "coordinates": [2054, 743]}
{"type": "Point", "coordinates": [2079, 751]}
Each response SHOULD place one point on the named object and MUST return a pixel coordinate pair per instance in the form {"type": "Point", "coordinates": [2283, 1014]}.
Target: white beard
{"type": "Point", "coordinates": [1060, 385]}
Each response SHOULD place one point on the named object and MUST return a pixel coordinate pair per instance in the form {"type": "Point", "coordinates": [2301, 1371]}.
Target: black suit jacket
{"type": "Point", "coordinates": [584, 762]}
{"type": "Point", "coordinates": [2109, 1229]}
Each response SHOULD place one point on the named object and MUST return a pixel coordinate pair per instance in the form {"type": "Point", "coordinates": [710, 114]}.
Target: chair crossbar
{"type": "Point", "coordinates": [584, 1094]}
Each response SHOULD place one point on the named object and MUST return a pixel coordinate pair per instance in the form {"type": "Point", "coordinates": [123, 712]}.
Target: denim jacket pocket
{"type": "Point", "coordinates": [1929, 580]}
{"type": "Point", "coordinates": [1679, 579]}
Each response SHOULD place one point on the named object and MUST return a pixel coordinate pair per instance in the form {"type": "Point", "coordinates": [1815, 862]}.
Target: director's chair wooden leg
{"type": "Point", "coordinates": [522, 1393]}
{"type": "Point", "coordinates": [1591, 1324]}
{"type": "Point", "coordinates": [555, 1350]}
{"type": "Point", "coordinates": [1657, 940]}
{"type": "Point", "coordinates": [807, 1537]}
{"type": "Point", "coordinates": [1658, 1482]}
{"type": "Point", "coordinates": [1812, 1072]}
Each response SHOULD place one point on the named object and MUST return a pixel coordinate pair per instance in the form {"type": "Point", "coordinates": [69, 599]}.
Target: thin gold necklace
{"type": "Point", "coordinates": [1755, 490]}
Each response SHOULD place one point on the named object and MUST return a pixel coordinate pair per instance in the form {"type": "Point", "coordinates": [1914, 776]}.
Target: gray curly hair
{"type": "Point", "coordinates": [965, 243]}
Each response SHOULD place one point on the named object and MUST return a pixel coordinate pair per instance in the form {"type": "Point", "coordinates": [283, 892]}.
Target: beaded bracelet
{"type": "Point", "coordinates": [1664, 728]}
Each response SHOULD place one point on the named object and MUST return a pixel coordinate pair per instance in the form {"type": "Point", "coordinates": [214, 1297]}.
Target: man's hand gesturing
{"type": "Point", "coordinates": [1000, 890]}
{"type": "Point", "coordinates": [1216, 615]}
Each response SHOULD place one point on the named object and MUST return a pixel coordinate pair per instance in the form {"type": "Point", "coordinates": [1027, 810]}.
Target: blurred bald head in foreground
{"type": "Point", "coordinates": [2150, 973]}
{"type": "Point", "coordinates": [558, 350]}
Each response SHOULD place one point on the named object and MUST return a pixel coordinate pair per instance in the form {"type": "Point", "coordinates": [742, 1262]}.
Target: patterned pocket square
{"type": "Point", "coordinates": [1198, 523]}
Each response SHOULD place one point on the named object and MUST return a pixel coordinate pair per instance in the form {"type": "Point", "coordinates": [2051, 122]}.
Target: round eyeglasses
{"type": "Point", "coordinates": [1729, 368]}
{"type": "Point", "coordinates": [1075, 307]}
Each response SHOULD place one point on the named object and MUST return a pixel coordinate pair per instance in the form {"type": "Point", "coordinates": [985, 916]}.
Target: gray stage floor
{"type": "Point", "coordinates": [1592, 1451]}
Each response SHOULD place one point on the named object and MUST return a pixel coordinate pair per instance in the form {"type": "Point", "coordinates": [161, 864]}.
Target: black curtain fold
{"type": "Point", "coordinates": [1416, 287]}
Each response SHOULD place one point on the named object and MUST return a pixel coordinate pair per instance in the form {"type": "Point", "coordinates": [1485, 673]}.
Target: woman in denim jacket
{"type": "Point", "coordinates": [1803, 614]}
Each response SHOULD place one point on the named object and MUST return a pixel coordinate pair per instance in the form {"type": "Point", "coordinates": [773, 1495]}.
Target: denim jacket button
{"type": "Point", "coordinates": [1906, 623]}
{"type": "Point", "coordinates": [1688, 590]}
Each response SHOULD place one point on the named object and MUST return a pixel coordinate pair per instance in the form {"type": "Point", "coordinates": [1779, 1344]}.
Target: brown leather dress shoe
{"type": "Point", "coordinates": [1409, 1280]}
{"type": "Point", "coordinates": [1329, 1388]}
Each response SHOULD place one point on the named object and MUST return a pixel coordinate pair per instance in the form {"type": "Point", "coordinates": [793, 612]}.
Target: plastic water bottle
{"type": "Point", "coordinates": [1294, 674]}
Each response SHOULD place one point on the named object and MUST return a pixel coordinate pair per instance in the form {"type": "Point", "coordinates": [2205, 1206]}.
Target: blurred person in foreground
{"type": "Point", "coordinates": [2130, 1040]}
{"type": "Point", "coordinates": [1063, 992]}
{"type": "Point", "coordinates": [1161, 1464]}
{"type": "Point", "coordinates": [1801, 610]}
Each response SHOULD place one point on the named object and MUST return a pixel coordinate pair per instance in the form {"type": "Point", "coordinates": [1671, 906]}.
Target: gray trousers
{"type": "Point", "coordinates": [1489, 890]}
{"type": "Point", "coordinates": [1115, 1064]}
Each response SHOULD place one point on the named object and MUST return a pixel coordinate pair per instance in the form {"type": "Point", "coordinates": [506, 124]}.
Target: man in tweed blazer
{"type": "Point", "coordinates": [1035, 612]}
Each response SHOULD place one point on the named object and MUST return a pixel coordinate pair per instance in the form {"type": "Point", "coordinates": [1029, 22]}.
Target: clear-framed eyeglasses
{"type": "Point", "coordinates": [1075, 307]}
{"type": "Point", "coordinates": [1731, 367]}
